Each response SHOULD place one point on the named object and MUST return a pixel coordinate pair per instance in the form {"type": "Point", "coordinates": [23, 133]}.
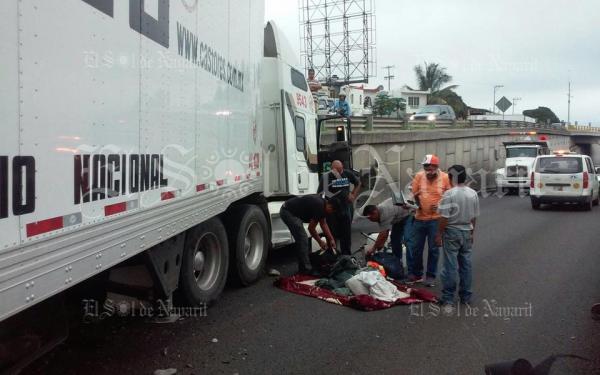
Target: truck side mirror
{"type": "Point", "coordinates": [597, 170]}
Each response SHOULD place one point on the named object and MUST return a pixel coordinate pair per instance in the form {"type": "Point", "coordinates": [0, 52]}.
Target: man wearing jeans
{"type": "Point", "coordinates": [459, 209]}
{"type": "Point", "coordinates": [389, 217]}
{"type": "Point", "coordinates": [427, 188]}
{"type": "Point", "coordinates": [307, 209]}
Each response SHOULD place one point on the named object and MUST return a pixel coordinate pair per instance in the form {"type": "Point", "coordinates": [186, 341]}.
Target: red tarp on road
{"type": "Point", "coordinates": [298, 284]}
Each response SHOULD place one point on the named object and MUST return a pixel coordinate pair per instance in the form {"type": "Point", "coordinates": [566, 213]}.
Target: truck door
{"type": "Point", "coordinates": [302, 166]}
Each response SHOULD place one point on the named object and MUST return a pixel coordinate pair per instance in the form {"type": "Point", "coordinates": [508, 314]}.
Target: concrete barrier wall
{"type": "Point", "coordinates": [399, 153]}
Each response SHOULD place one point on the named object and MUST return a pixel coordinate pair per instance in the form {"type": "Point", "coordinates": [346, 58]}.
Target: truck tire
{"type": "Point", "coordinates": [535, 204]}
{"type": "Point", "coordinates": [249, 238]}
{"type": "Point", "coordinates": [205, 263]}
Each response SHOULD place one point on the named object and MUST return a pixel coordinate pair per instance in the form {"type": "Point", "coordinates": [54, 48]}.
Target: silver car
{"type": "Point", "coordinates": [434, 112]}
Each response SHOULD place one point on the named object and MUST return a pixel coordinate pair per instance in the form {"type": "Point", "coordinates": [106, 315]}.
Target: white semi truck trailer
{"type": "Point", "coordinates": [156, 134]}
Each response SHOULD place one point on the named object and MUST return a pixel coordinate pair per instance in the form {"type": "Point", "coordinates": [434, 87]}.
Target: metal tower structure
{"type": "Point", "coordinates": [338, 40]}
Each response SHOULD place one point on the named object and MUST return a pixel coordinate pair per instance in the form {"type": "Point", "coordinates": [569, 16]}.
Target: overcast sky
{"type": "Point", "coordinates": [531, 47]}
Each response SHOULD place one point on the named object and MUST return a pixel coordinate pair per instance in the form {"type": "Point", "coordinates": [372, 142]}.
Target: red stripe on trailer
{"type": "Point", "coordinates": [114, 209]}
{"type": "Point", "coordinates": [166, 195]}
{"type": "Point", "coordinates": [200, 187]}
{"type": "Point", "coordinates": [220, 182]}
{"type": "Point", "coordinates": [44, 226]}
{"type": "Point", "coordinates": [258, 173]}
{"type": "Point", "coordinates": [248, 176]}
{"type": "Point", "coordinates": [238, 178]}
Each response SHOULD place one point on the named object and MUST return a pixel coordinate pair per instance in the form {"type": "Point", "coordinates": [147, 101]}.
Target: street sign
{"type": "Point", "coordinates": [503, 104]}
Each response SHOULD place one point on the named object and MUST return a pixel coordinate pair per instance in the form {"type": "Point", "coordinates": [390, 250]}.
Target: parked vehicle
{"type": "Point", "coordinates": [564, 177]}
{"type": "Point", "coordinates": [434, 112]}
{"type": "Point", "coordinates": [167, 162]}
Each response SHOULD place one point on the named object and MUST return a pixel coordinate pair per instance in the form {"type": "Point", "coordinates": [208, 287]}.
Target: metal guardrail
{"type": "Point", "coordinates": [365, 123]}
{"type": "Point", "coordinates": [455, 124]}
{"type": "Point", "coordinates": [581, 128]}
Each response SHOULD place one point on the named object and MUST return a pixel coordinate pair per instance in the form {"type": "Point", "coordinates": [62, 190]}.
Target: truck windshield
{"type": "Point", "coordinates": [559, 165]}
{"type": "Point", "coordinates": [521, 152]}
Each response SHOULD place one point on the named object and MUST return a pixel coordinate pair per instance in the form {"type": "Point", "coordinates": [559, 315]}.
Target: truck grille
{"type": "Point", "coordinates": [516, 171]}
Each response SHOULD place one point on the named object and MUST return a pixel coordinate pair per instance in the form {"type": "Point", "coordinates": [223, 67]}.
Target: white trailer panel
{"type": "Point", "coordinates": [9, 128]}
{"type": "Point", "coordinates": [141, 124]}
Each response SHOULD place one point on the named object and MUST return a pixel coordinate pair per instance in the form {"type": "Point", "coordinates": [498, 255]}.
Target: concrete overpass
{"type": "Point", "coordinates": [400, 146]}
{"type": "Point", "coordinates": [587, 139]}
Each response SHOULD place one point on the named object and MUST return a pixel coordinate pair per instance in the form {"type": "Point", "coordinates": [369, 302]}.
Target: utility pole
{"type": "Point", "coordinates": [515, 100]}
{"type": "Point", "coordinates": [569, 105]}
{"type": "Point", "coordinates": [494, 103]}
{"type": "Point", "coordinates": [389, 76]}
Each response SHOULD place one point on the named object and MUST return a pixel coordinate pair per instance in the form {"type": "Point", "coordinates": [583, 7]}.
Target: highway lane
{"type": "Point", "coordinates": [546, 262]}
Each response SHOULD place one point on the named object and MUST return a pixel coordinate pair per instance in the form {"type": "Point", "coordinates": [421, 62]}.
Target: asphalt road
{"type": "Point", "coordinates": [548, 260]}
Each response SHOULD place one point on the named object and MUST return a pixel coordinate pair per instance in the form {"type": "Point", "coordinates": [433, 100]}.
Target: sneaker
{"type": "Point", "coordinates": [430, 282]}
{"type": "Point", "coordinates": [412, 279]}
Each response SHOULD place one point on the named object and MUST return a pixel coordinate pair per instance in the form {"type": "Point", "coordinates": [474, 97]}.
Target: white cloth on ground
{"type": "Point", "coordinates": [377, 286]}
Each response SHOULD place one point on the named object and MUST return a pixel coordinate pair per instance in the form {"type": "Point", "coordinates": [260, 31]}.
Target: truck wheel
{"type": "Point", "coordinates": [248, 235]}
{"type": "Point", "coordinates": [535, 204]}
{"type": "Point", "coordinates": [205, 263]}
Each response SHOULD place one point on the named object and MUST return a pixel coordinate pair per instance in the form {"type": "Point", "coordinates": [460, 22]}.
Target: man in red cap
{"type": "Point", "coordinates": [428, 186]}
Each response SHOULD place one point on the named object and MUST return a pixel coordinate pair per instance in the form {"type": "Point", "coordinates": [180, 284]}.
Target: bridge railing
{"type": "Point", "coordinates": [366, 123]}
{"type": "Point", "coordinates": [385, 123]}
{"type": "Point", "coordinates": [582, 128]}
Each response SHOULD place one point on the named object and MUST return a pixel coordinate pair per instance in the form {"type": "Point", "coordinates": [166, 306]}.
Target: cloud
{"type": "Point", "coordinates": [531, 47]}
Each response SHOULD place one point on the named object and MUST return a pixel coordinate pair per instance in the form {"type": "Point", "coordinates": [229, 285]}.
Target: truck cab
{"type": "Point", "coordinates": [295, 149]}
{"type": "Point", "coordinates": [520, 156]}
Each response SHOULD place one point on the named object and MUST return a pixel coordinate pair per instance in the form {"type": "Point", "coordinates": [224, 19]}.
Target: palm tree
{"type": "Point", "coordinates": [433, 77]}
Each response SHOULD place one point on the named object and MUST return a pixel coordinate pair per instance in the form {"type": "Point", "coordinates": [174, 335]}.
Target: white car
{"type": "Point", "coordinates": [564, 177]}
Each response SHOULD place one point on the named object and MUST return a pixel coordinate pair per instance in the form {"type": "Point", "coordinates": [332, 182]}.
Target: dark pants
{"type": "Point", "coordinates": [340, 225]}
{"type": "Point", "coordinates": [296, 227]}
{"type": "Point", "coordinates": [424, 230]}
{"type": "Point", "coordinates": [409, 237]}
{"type": "Point", "coordinates": [397, 238]}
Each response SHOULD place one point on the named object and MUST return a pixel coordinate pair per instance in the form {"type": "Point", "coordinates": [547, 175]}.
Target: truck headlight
{"type": "Point", "coordinates": [431, 117]}
{"type": "Point", "coordinates": [412, 117]}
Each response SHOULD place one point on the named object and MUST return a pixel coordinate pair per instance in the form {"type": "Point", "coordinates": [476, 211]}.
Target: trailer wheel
{"type": "Point", "coordinates": [248, 236]}
{"type": "Point", "coordinates": [205, 263]}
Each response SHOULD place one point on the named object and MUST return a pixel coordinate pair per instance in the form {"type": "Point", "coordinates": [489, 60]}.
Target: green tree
{"type": "Point", "coordinates": [433, 77]}
{"type": "Point", "coordinates": [542, 114]}
{"type": "Point", "coordinates": [385, 105]}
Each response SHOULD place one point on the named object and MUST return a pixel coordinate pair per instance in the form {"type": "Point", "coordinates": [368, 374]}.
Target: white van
{"type": "Point", "coordinates": [564, 177]}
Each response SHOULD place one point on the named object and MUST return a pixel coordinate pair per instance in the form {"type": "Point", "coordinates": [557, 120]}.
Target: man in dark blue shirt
{"type": "Point", "coordinates": [336, 186]}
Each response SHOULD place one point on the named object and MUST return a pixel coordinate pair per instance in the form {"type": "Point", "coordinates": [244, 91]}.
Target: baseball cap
{"type": "Point", "coordinates": [431, 159]}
